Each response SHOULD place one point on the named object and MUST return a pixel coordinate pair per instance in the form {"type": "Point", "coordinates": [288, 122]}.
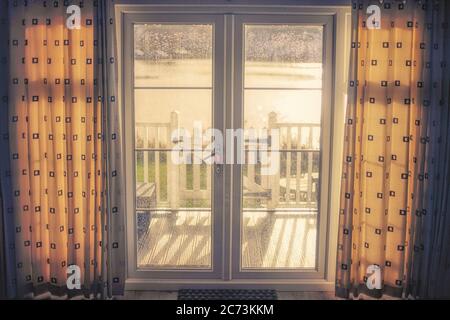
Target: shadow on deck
{"type": "Point", "coordinates": [182, 239]}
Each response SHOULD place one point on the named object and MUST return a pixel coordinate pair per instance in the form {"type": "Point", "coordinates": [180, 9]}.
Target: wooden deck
{"type": "Point", "coordinates": [281, 239]}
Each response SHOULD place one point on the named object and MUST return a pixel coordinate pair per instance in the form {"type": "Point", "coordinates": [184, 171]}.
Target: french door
{"type": "Point", "coordinates": [209, 199]}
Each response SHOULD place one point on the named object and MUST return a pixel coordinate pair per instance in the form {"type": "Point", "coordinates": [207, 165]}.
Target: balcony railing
{"type": "Point", "coordinates": [172, 186]}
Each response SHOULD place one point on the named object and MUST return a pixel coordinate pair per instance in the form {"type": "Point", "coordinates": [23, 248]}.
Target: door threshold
{"type": "Point", "coordinates": [282, 285]}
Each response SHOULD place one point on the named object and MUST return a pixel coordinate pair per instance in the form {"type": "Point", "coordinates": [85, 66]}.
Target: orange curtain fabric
{"type": "Point", "coordinates": [55, 132]}
{"type": "Point", "coordinates": [386, 147]}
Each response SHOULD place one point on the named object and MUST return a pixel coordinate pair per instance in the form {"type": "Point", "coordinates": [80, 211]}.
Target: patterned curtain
{"type": "Point", "coordinates": [61, 161]}
{"type": "Point", "coordinates": [395, 184]}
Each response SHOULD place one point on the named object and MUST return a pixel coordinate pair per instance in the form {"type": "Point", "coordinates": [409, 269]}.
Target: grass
{"type": "Point", "coordinates": [163, 178]}
{"type": "Point", "coordinates": [162, 188]}
{"type": "Point", "coordinates": [188, 184]}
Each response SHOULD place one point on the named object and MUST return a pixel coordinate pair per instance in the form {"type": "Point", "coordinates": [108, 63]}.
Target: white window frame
{"type": "Point", "coordinates": [217, 118]}
{"type": "Point", "coordinates": [323, 279]}
{"type": "Point", "coordinates": [285, 273]}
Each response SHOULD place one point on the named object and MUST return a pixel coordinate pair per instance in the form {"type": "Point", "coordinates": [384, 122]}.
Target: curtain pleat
{"type": "Point", "coordinates": [8, 233]}
{"type": "Point", "coordinates": [63, 145]}
{"type": "Point", "coordinates": [113, 154]}
{"type": "Point", "coordinates": [2, 253]}
{"type": "Point", "coordinates": [393, 210]}
{"type": "Point", "coordinates": [430, 262]}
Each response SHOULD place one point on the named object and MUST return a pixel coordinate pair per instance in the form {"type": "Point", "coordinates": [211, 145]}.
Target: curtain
{"type": "Point", "coordinates": [7, 230]}
{"type": "Point", "coordinates": [108, 83]}
{"type": "Point", "coordinates": [2, 255]}
{"type": "Point", "coordinates": [394, 211]}
{"type": "Point", "coordinates": [62, 157]}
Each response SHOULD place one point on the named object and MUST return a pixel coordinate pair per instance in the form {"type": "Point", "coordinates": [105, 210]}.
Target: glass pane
{"type": "Point", "coordinates": [293, 106]}
{"type": "Point", "coordinates": [283, 56]}
{"type": "Point", "coordinates": [174, 240]}
{"type": "Point", "coordinates": [168, 55]}
{"type": "Point", "coordinates": [156, 172]}
{"type": "Point", "coordinates": [283, 80]}
{"type": "Point", "coordinates": [173, 193]}
{"type": "Point", "coordinates": [282, 239]}
{"type": "Point", "coordinates": [159, 105]}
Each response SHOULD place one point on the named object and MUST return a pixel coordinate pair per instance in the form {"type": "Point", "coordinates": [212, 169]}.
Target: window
{"type": "Point", "coordinates": [173, 81]}
{"type": "Point", "coordinates": [188, 74]}
{"type": "Point", "coordinates": [283, 67]}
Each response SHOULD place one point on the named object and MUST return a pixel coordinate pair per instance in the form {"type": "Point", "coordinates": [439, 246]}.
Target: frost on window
{"type": "Point", "coordinates": [173, 55]}
{"type": "Point", "coordinates": [283, 56]}
{"type": "Point", "coordinates": [283, 43]}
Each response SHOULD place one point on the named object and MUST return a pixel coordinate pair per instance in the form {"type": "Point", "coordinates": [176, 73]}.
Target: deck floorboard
{"type": "Point", "coordinates": [270, 240]}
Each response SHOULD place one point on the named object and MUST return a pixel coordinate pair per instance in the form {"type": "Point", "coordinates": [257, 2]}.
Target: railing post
{"type": "Point", "coordinates": [173, 168]}
{"type": "Point", "coordinates": [157, 163]}
{"type": "Point", "coordinates": [274, 180]}
{"type": "Point", "coordinates": [251, 155]}
{"type": "Point", "coordinates": [145, 154]}
{"type": "Point", "coordinates": [310, 165]}
{"type": "Point", "coordinates": [287, 195]}
{"type": "Point", "coordinates": [298, 166]}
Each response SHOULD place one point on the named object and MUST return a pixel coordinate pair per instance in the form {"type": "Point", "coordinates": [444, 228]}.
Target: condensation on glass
{"type": "Point", "coordinates": [172, 90]}
{"type": "Point", "coordinates": [282, 90]}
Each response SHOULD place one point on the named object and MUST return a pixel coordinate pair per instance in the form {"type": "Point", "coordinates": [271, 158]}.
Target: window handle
{"type": "Point", "coordinates": [218, 168]}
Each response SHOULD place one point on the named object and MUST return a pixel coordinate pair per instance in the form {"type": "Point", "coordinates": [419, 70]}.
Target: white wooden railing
{"type": "Point", "coordinates": [156, 138]}
{"type": "Point", "coordinates": [300, 189]}
{"type": "Point", "coordinates": [293, 188]}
